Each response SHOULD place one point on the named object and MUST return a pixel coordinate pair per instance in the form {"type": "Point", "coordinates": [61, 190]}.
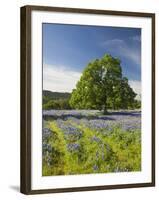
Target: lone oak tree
{"type": "Point", "coordinates": [102, 86]}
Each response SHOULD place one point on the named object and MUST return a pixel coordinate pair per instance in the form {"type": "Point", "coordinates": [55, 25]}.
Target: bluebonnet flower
{"type": "Point", "coordinates": [49, 161]}
{"type": "Point", "coordinates": [73, 146]}
{"type": "Point", "coordinates": [68, 129]}
{"type": "Point", "coordinates": [98, 124]}
{"type": "Point", "coordinates": [96, 139]}
{"type": "Point", "coordinates": [46, 132]}
{"type": "Point", "coordinates": [95, 167]}
{"type": "Point", "coordinates": [46, 148]}
{"type": "Point", "coordinates": [127, 120]}
{"type": "Point", "coordinates": [97, 154]}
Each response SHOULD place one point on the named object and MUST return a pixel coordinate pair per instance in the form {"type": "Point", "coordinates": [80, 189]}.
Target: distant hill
{"type": "Point", "coordinates": [56, 95]}
{"type": "Point", "coordinates": [55, 100]}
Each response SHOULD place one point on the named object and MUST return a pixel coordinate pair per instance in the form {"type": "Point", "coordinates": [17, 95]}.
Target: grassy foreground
{"type": "Point", "coordinates": [90, 151]}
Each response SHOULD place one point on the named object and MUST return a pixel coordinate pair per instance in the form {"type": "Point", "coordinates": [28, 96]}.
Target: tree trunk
{"type": "Point", "coordinates": [105, 105]}
{"type": "Point", "coordinates": [105, 110]}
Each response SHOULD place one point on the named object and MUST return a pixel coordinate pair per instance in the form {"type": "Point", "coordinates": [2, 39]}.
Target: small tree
{"type": "Point", "coordinates": [102, 86]}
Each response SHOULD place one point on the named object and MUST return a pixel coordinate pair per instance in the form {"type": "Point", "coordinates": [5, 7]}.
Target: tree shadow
{"type": "Point", "coordinates": [123, 113]}
{"type": "Point", "coordinates": [67, 116]}
{"type": "Point", "coordinates": [110, 116]}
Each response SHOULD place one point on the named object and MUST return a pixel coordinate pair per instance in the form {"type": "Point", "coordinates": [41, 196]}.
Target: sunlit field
{"type": "Point", "coordinates": [91, 100]}
{"type": "Point", "coordinates": [86, 141]}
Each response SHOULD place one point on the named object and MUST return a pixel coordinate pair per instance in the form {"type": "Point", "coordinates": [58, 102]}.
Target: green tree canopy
{"type": "Point", "coordinates": [102, 86]}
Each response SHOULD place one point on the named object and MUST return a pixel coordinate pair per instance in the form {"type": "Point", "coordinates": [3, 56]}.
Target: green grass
{"type": "Point", "coordinates": [102, 151]}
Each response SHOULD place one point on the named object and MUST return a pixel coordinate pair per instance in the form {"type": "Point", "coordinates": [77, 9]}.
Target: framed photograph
{"type": "Point", "coordinates": [87, 99]}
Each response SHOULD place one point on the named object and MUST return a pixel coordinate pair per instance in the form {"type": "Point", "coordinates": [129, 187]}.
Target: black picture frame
{"type": "Point", "coordinates": [25, 182]}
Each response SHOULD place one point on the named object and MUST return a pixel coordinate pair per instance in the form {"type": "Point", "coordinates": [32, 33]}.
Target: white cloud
{"type": "Point", "coordinates": [119, 46]}
{"type": "Point", "coordinates": [136, 86]}
{"type": "Point", "coordinates": [130, 53]}
{"type": "Point", "coordinates": [113, 42]}
{"type": "Point", "coordinates": [59, 79]}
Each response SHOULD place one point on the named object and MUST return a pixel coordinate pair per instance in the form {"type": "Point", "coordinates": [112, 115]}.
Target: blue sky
{"type": "Point", "coordinates": [67, 49]}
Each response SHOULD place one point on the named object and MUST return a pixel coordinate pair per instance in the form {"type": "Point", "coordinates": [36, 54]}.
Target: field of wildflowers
{"type": "Point", "coordinates": [85, 141]}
